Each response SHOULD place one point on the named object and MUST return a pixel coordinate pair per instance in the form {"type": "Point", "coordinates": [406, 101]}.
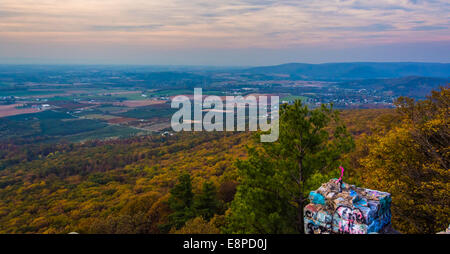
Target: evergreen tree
{"type": "Point", "coordinates": [180, 201]}
{"type": "Point", "coordinates": [206, 204]}
{"type": "Point", "coordinates": [276, 177]}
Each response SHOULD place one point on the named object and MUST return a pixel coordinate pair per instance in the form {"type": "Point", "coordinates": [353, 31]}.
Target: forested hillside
{"type": "Point", "coordinates": [87, 187]}
{"type": "Point", "coordinates": [97, 186]}
{"type": "Point", "coordinates": [186, 183]}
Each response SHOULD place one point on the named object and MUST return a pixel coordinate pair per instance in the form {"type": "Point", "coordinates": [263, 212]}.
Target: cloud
{"type": "Point", "coordinates": [378, 5]}
{"type": "Point", "coordinates": [378, 27]}
{"type": "Point", "coordinates": [429, 28]}
{"type": "Point", "coordinates": [218, 24]}
{"type": "Point", "coordinates": [9, 14]}
{"type": "Point", "coordinates": [231, 12]}
{"type": "Point", "coordinates": [124, 27]}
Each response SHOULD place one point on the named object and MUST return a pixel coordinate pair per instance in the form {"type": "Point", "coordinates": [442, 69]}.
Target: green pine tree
{"type": "Point", "coordinates": [276, 177]}
{"type": "Point", "coordinates": [180, 201]}
{"type": "Point", "coordinates": [206, 204]}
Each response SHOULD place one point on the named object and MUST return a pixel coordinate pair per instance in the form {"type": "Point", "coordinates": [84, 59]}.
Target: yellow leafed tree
{"type": "Point", "coordinates": [411, 161]}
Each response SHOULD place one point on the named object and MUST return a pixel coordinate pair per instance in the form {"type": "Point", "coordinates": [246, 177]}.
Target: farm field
{"type": "Point", "coordinates": [77, 114]}
{"type": "Point", "coordinates": [11, 110]}
{"type": "Point", "coordinates": [293, 98]}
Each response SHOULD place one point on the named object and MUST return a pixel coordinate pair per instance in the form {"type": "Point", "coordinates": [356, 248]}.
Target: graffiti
{"type": "Point", "coordinates": [317, 221]}
{"type": "Point", "coordinates": [317, 198]}
{"type": "Point", "coordinates": [350, 210]}
{"type": "Point", "coordinates": [347, 213]}
{"type": "Point", "coordinates": [309, 214]}
{"type": "Point", "coordinates": [312, 228]}
{"type": "Point", "coordinates": [348, 227]}
{"type": "Point", "coordinates": [344, 220]}
{"type": "Point", "coordinates": [349, 220]}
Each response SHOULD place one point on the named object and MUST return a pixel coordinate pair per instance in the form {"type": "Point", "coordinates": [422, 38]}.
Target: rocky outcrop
{"type": "Point", "coordinates": [337, 207]}
{"type": "Point", "coordinates": [447, 231]}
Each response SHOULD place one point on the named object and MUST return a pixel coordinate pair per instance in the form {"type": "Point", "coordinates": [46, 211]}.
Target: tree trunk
{"type": "Point", "coordinates": [300, 219]}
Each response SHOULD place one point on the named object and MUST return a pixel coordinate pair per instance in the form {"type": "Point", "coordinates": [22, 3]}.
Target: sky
{"type": "Point", "coordinates": [222, 32]}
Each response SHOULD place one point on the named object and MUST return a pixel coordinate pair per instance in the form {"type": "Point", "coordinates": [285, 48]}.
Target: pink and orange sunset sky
{"type": "Point", "coordinates": [220, 32]}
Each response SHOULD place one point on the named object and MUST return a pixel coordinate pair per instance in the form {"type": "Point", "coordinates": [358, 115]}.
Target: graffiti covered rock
{"type": "Point", "coordinates": [347, 209]}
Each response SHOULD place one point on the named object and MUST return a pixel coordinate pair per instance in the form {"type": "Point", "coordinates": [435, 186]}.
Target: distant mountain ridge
{"type": "Point", "coordinates": [357, 70]}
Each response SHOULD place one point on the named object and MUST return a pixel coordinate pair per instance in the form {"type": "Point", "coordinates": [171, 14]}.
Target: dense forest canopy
{"type": "Point", "coordinates": [187, 183]}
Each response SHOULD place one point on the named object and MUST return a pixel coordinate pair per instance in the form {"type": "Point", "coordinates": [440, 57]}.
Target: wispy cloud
{"type": "Point", "coordinates": [377, 27]}
{"type": "Point", "coordinates": [218, 24]}
{"type": "Point", "coordinates": [8, 14]}
{"type": "Point", "coordinates": [130, 28]}
{"type": "Point", "coordinates": [429, 28]}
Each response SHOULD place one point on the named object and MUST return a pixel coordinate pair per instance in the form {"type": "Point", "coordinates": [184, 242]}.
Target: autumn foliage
{"type": "Point", "coordinates": [190, 182]}
{"type": "Point", "coordinates": [411, 161]}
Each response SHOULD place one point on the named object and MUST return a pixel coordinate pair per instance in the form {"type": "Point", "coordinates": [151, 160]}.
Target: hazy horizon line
{"type": "Point", "coordinates": [214, 65]}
